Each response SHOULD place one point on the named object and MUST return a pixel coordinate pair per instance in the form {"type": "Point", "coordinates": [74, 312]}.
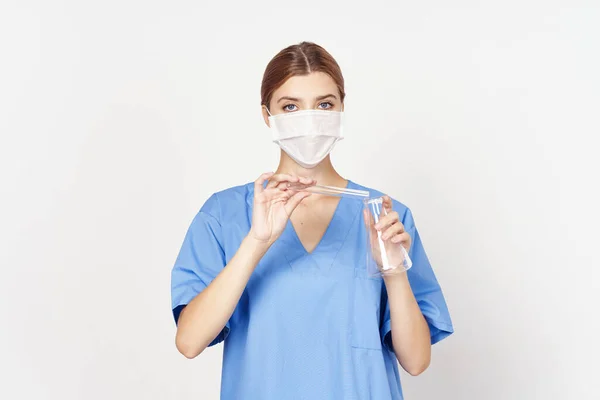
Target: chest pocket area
{"type": "Point", "coordinates": [366, 315]}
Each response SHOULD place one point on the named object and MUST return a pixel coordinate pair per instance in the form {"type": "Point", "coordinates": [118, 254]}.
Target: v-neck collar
{"type": "Point", "coordinates": [322, 257]}
{"type": "Point", "coordinates": [292, 229]}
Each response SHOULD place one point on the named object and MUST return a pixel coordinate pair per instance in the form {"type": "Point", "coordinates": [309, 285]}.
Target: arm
{"type": "Point", "coordinates": [410, 332]}
{"type": "Point", "coordinates": [207, 313]}
{"type": "Point", "coordinates": [411, 338]}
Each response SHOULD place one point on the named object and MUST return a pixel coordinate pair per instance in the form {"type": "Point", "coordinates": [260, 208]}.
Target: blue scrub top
{"type": "Point", "coordinates": [308, 325]}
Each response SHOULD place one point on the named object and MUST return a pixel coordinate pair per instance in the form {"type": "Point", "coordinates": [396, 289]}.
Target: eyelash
{"type": "Point", "coordinates": [329, 105]}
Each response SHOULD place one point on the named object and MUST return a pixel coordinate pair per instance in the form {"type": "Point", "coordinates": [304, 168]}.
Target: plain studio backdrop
{"type": "Point", "coordinates": [119, 118]}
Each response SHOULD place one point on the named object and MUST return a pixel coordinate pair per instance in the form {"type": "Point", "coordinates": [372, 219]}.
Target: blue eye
{"type": "Point", "coordinates": [325, 105]}
{"type": "Point", "coordinates": [289, 107]}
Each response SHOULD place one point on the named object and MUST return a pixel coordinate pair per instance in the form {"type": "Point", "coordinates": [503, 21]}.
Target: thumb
{"type": "Point", "coordinates": [293, 202]}
{"type": "Point", "coordinates": [387, 203]}
{"type": "Point", "coordinates": [369, 220]}
{"type": "Point", "coordinates": [369, 224]}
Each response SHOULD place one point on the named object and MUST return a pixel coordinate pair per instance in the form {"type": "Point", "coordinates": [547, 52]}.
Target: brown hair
{"type": "Point", "coordinates": [299, 59]}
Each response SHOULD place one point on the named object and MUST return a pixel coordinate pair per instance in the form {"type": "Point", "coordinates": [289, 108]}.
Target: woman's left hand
{"type": "Point", "coordinates": [390, 226]}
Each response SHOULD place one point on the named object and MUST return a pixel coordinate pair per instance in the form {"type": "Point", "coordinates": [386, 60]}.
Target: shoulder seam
{"type": "Point", "coordinates": [218, 208]}
{"type": "Point", "coordinates": [202, 211]}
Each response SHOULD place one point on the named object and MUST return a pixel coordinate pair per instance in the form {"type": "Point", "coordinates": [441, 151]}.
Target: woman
{"type": "Point", "coordinates": [279, 274]}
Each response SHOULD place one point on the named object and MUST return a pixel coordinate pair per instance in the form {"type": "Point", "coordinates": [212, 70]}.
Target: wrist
{"type": "Point", "coordinates": [255, 245]}
{"type": "Point", "coordinates": [396, 280]}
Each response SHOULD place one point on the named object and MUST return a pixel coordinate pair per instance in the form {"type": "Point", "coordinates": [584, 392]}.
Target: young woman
{"type": "Point", "coordinates": [280, 275]}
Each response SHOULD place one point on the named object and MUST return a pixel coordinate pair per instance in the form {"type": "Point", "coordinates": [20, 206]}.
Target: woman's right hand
{"type": "Point", "coordinates": [206, 315]}
{"type": "Point", "coordinates": [274, 205]}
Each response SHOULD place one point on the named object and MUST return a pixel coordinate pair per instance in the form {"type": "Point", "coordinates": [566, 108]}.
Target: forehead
{"type": "Point", "coordinates": [307, 86]}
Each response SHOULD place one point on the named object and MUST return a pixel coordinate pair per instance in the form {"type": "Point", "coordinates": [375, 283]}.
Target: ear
{"type": "Point", "coordinates": [265, 115]}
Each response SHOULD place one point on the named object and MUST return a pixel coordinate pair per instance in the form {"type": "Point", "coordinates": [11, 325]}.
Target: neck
{"type": "Point", "coordinates": [324, 173]}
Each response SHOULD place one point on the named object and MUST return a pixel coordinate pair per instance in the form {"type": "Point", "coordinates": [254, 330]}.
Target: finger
{"type": "Point", "coordinates": [285, 185]}
{"type": "Point", "coordinates": [307, 181]}
{"type": "Point", "coordinates": [293, 202]}
{"type": "Point", "coordinates": [369, 221]}
{"type": "Point", "coordinates": [258, 184]}
{"type": "Point", "coordinates": [275, 192]}
{"type": "Point", "coordinates": [303, 183]}
{"type": "Point", "coordinates": [387, 220]}
{"type": "Point", "coordinates": [280, 199]}
{"type": "Point", "coordinates": [404, 237]}
{"type": "Point", "coordinates": [367, 217]}
{"type": "Point", "coordinates": [387, 203]}
{"type": "Point", "coordinates": [393, 230]}
{"type": "Point", "coordinates": [278, 178]}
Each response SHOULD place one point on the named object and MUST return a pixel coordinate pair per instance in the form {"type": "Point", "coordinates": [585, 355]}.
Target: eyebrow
{"type": "Point", "coordinates": [296, 99]}
{"type": "Point", "coordinates": [326, 96]}
{"type": "Point", "coordinates": [288, 98]}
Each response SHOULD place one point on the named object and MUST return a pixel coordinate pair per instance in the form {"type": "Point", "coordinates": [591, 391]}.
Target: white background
{"type": "Point", "coordinates": [119, 118]}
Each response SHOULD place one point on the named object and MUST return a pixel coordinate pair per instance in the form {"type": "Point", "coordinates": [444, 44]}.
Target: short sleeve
{"type": "Point", "coordinates": [200, 260]}
{"type": "Point", "coordinates": [426, 290]}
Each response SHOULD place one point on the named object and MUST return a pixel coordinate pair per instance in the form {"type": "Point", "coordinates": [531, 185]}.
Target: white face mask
{"type": "Point", "coordinates": [307, 136]}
